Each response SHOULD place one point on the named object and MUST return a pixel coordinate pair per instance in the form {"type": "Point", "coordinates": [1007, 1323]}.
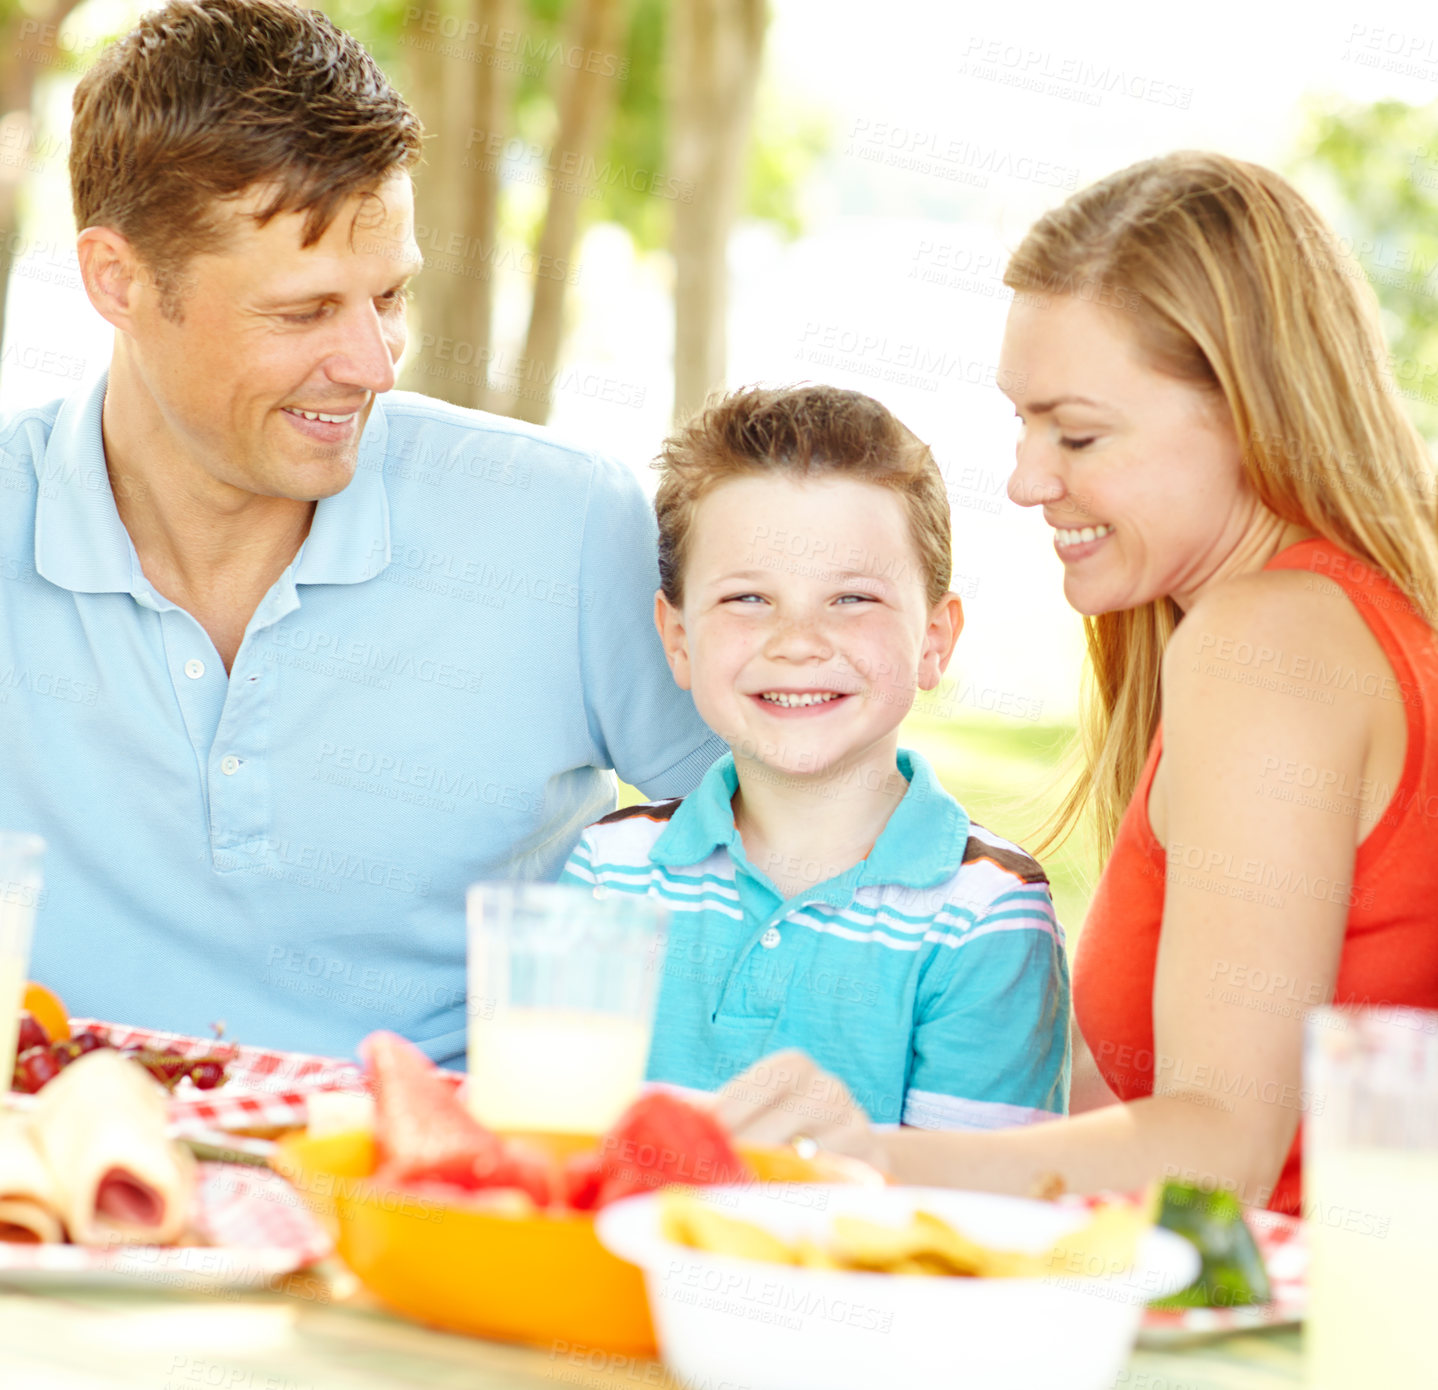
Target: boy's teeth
{"type": "Point", "coordinates": [320, 415]}
{"type": "Point", "coordinates": [1087, 533]}
{"type": "Point", "coordinates": [781, 697]}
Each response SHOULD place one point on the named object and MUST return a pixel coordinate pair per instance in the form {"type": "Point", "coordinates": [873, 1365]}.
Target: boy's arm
{"type": "Point", "coordinates": [579, 867]}
{"type": "Point", "coordinates": [643, 725]}
{"type": "Point", "coordinates": [991, 1035]}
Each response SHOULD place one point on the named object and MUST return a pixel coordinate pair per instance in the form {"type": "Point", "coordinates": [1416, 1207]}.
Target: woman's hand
{"type": "Point", "coordinates": [787, 1098]}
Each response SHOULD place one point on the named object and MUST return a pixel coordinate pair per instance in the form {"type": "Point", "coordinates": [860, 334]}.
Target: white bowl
{"type": "Point", "coordinates": [724, 1320]}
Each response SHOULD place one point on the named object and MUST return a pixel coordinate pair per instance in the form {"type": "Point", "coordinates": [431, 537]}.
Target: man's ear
{"type": "Point", "coordinates": [946, 621]}
{"type": "Point", "coordinates": [670, 622]}
{"type": "Point", "coordinates": [112, 273]}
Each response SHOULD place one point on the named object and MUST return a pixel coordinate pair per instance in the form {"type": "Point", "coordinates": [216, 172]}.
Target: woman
{"type": "Point", "coordinates": [1246, 520]}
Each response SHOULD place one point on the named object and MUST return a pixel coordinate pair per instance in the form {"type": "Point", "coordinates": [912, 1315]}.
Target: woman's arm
{"type": "Point", "coordinates": [1087, 1088]}
{"type": "Point", "coordinates": [1258, 892]}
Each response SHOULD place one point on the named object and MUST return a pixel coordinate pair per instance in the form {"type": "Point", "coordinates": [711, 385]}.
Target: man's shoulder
{"type": "Point", "coordinates": [417, 423]}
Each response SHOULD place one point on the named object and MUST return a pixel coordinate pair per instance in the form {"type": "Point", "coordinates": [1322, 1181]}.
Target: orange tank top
{"type": "Point", "coordinates": [1390, 949]}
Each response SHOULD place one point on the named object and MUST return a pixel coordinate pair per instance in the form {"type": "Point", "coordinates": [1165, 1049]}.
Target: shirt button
{"type": "Point", "coordinates": [194, 669]}
{"type": "Point", "coordinates": [229, 764]}
{"type": "Point", "coordinates": [770, 939]}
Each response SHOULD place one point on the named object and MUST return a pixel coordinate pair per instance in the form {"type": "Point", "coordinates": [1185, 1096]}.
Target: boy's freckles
{"type": "Point", "coordinates": [805, 607]}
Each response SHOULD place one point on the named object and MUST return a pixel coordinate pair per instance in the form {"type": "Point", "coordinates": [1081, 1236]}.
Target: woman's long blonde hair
{"type": "Point", "coordinates": [1230, 280]}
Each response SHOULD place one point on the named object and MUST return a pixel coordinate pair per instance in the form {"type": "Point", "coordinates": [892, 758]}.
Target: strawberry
{"type": "Point", "coordinates": [662, 1139]}
{"type": "Point", "coordinates": [422, 1130]}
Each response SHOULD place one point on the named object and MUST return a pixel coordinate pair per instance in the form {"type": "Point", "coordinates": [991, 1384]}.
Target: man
{"type": "Point", "coordinates": [286, 666]}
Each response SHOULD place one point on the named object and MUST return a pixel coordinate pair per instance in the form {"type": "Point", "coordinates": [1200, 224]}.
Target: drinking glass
{"type": "Point", "coordinates": [562, 985]}
{"type": "Point", "coordinates": [1370, 1175]}
{"type": "Point", "coordinates": [20, 857]}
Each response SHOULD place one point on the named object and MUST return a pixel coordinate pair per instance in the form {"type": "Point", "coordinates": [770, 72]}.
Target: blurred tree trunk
{"type": "Point", "coordinates": [594, 28]}
{"type": "Point", "coordinates": [30, 46]}
{"type": "Point", "coordinates": [715, 48]}
{"type": "Point", "coordinates": [464, 97]}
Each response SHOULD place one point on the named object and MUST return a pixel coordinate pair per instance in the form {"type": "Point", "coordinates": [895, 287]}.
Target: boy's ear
{"type": "Point", "coordinates": [670, 623]}
{"type": "Point", "coordinates": [946, 621]}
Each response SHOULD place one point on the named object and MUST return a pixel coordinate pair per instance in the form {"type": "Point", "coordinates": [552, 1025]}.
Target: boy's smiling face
{"type": "Point", "coordinates": [805, 629]}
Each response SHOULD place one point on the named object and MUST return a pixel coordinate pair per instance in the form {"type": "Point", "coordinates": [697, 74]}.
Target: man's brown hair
{"type": "Point", "coordinates": [206, 99]}
{"type": "Point", "coordinates": [800, 432]}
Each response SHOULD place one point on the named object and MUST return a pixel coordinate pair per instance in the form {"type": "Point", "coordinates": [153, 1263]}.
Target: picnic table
{"type": "Point", "coordinates": [320, 1331]}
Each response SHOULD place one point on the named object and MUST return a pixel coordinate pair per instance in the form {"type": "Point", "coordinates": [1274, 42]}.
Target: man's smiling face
{"type": "Point", "coordinates": [266, 376]}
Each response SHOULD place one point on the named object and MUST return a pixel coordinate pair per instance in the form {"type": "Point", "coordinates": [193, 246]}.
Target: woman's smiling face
{"type": "Point", "coordinates": [1139, 473]}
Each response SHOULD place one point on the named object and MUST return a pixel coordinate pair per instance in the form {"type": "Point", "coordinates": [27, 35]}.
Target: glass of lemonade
{"type": "Point", "coordinates": [1370, 1201]}
{"type": "Point", "coordinates": [20, 857]}
{"type": "Point", "coordinates": [562, 987]}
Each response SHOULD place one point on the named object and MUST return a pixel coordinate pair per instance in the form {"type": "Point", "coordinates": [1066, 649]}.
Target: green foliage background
{"type": "Point", "coordinates": [1376, 167]}
{"type": "Point", "coordinates": [1381, 162]}
{"type": "Point", "coordinates": [787, 139]}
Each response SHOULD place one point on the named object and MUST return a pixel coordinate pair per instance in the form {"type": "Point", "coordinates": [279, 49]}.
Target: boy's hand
{"type": "Point", "coordinates": [787, 1098]}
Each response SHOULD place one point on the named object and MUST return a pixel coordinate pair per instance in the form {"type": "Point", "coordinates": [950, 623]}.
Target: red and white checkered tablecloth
{"type": "Point", "coordinates": [263, 1089]}
{"type": "Point", "coordinates": [255, 1208]}
{"type": "Point", "coordinates": [1283, 1245]}
{"type": "Point", "coordinates": [252, 1228]}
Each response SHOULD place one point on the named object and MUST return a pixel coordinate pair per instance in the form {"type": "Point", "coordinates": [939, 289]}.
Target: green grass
{"type": "Point", "coordinates": [1006, 773]}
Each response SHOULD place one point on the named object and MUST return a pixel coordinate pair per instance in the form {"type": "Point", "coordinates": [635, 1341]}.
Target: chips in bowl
{"type": "Point", "coordinates": [1106, 1244]}
{"type": "Point", "coordinates": [808, 1288]}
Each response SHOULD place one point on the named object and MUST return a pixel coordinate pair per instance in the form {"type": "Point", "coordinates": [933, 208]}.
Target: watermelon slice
{"type": "Point", "coordinates": [427, 1142]}
{"type": "Point", "coordinates": [530, 1171]}
{"type": "Point", "coordinates": [423, 1133]}
{"type": "Point", "coordinates": [662, 1139]}
{"type": "Point", "coordinates": [580, 1182]}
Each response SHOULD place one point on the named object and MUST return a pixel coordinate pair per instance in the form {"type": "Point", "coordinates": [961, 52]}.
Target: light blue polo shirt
{"type": "Point", "coordinates": [930, 977]}
{"type": "Point", "coordinates": [431, 694]}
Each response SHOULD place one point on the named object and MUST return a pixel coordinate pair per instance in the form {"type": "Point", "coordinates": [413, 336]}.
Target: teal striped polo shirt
{"type": "Point", "coordinates": [930, 977]}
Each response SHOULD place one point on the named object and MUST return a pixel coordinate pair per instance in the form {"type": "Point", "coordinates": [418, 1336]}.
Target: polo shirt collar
{"type": "Point", "coordinates": [923, 843]}
{"type": "Point", "coordinates": [82, 545]}
{"type": "Point", "coordinates": [704, 821]}
{"type": "Point", "coordinates": [80, 542]}
{"type": "Point", "coordinates": [920, 847]}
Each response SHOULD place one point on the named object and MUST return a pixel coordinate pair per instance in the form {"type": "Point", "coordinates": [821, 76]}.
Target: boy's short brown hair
{"type": "Point", "coordinates": [206, 99]}
{"type": "Point", "coordinates": [800, 432]}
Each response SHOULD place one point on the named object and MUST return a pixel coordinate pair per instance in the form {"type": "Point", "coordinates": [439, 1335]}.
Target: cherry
{"type": "Point", "coordinates": [165, 1067]}
{"type": "Point", "coordinates": [207, 1074]}
{"type": "Point", "coordinates": [88, 1042]}
{"type": "Point", "coordinates": [34, 1068]}
{"type": "Point", "coordinates": [31, 1034]}
{"type": "Point", "coordinates": [171, 1066]}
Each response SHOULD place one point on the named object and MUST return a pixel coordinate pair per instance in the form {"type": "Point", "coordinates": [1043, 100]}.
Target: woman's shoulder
{"type": "Point", "coordinates": [1274, 622]}
{"type": "Point", "coordinates": [1268, 671]}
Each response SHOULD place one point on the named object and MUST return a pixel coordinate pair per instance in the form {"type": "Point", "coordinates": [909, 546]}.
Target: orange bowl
{"type": "Point", "coordinates": [541, 1278]}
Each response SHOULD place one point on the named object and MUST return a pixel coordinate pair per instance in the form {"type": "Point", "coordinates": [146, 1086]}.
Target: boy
{"type": "Point", "coordinates": [825, 892]}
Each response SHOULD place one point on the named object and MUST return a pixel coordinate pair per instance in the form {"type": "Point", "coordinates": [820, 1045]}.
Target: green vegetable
{"type": "Point", "coordinates": [1231, 1273]}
